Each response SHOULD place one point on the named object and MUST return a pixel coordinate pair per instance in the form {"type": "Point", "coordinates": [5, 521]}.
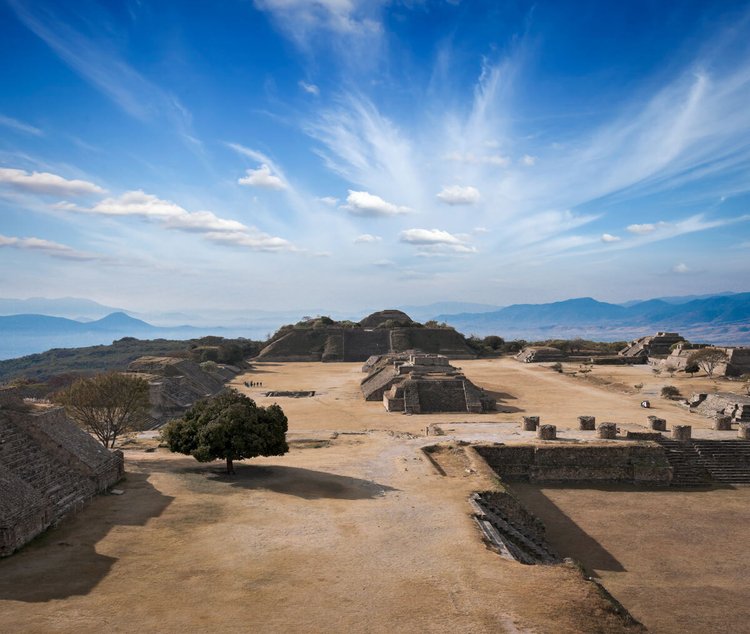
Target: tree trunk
{"type": "Point", "coordinates": [230, 466]}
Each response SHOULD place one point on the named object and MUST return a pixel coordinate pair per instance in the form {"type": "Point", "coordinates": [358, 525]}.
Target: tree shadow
{"type": "Point", "coordinates": [563, 534]}
{"type": "Point", "coordinates": [304, 483]}
{"type": "Point", "coordinates": [63, 562]}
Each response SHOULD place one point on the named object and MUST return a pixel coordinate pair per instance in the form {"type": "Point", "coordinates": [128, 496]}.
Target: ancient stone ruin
{"type": "Point", "coordinates": [384, 332]}
{"type": "Point", "coordinates": [539, 354]}
{"type": "Point", "coordinates": [48, 468]}
{"type": "Point", "coordinates": [658, 345]}
{"type": "Point", "coordinates": [737, 363]}
{"type": "Point", "coordinates": [175, 384]}
{"type": "Point", "coordinates": [422, 383]}
{"type": "Point", "coordinates": [720, 404]}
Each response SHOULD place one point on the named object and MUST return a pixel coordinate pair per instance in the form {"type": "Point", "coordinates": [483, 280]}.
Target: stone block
{"type": "Point", "coordinates": [744, 431]}
{"type": "Point", "coordinates": [607, 430]}
{"type": "Point", "coordinates": [723, 423]}
{"type": "Point", "coordinates": [682, 432]}
{"type": "Point", "coordinates": [587, 423]}
{"type": "Point", "coordinates": [546, 432]}
{"type": "Point", "coordinates": [530, 423]}
{"type": "Point", "coordinates": [657, 424]}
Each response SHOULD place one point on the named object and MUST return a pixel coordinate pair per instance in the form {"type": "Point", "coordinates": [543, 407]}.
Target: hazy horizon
{"type": "Point", "coordinates": [278, 154]}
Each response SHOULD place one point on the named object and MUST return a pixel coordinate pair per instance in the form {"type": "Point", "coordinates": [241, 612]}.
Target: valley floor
{"type": "Point", "coordinates": [352, 531]}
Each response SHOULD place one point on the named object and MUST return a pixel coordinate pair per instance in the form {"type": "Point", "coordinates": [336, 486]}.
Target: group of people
{"type": "Point", "coordinates": [253, 384]}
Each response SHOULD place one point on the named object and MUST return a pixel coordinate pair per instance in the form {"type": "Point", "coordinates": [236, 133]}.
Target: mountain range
{"type": "Point", "coordinates": [716, 319]}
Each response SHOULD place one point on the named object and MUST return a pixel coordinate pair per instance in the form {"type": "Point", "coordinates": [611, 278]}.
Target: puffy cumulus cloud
{"type": "Point", "coordinates": [251, 239]}
{"type": "Point", "coordinates": [680, 268]}
{"type": "Point", "coordinates": [46, 183]}
{"type": "Point", "coordinates": [645, 228]}
{"type": "Point", "coordinates": [53, 249]}
{"type": "Point", "coordinates": [458, 195]}
{"type": "Point", "coordinates": [262, 177]}
{"type": "Point", "coordinates": [367, 238]}
{"type": "Point", "coordinates": [366, 204]}
{"type": "Point", "coordinates": [608, 237]}
{"type": "Point", "coordinates": [171, 216]}
{"type": "Point", "coordinates": [331, 201]}
{"type": "Point", "coordinates": [434, 242]}
{"type": "Point", "coordinates": [478, 159]}
{"type": "Point", "coordinates": [528, 160]}
{"type": "Point", "coordinates": [309, 88]}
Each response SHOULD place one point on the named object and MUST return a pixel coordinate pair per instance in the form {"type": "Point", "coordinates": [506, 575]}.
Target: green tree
{"type": "Point", "coordinates": [707, 359]}
{"type": "Point", "coordinates": [107, 405]}
{"type": "Point", "coordinates": [229, 426]}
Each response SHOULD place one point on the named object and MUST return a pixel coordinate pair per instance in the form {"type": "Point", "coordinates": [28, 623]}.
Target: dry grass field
{"type": "Point", "coordinates": [355, 531]}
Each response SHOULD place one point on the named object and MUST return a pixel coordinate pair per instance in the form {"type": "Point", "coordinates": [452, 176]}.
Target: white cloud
{"type": "Point", "coordinates": [309, 88]}
{"type": "Point", "coordinates": [528, 160]}
{"type": "Point", "coordinates": [642, 228]}
{"type": "Point", "coordinates": [19, 126]}
{"type": "Point", "coordinates": [262, 177]}
{"type": "Point", "coordinates": [53, 249]}
{"type": "Point", "coordinates": [481, 159]}
{"type": "Point", "coordinates": [171, 216]}
{"type": "Point", "coordinates": [328, 200]}
{"type": "Point", "coordinates": [458, 195]}
{"type": "Point", "coordinates": [366, 204]}
{"type": "Point", "coordinates": [646, 228]}
{"type": "Point", "coordinates": [46, 183]}
{"type": "Point", "coordinates": [680, 268]}
{"type": "Point", "coordinates": [252, 239]}
{"type": "Point", "coordinates": [480, 230]}
{"type": "Point", "coordinates": [367, 238]}
{"type": "Point", "coordinates": [608, 237]}
{"type": "Point", "coordinates": [435, 242]}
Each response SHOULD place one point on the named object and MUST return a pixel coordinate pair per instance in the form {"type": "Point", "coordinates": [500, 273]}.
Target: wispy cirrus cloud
{"type": "Point", "coordinates": [46, 247]}
{"type": "Point", "coordinates": [20, 126]}
{"type": "Point", "coordinates": [46, 183]}
{"type": "Point", "coordinates": [95, 58]}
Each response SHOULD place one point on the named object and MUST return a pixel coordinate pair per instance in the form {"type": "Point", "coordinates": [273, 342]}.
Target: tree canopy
{"type": "Point", "coordinates": [107, 405]}
{"type": "Point", "coordinates": [707, 359]}
{"type": "Point", "coordinates": [229, 426]}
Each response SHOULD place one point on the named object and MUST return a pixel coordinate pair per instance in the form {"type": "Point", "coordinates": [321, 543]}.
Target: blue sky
{"type": "Point", "coordinates": [343, 154]}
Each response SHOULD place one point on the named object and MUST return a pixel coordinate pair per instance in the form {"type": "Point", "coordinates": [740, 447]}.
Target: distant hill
{"type": "Point", "coordinates": [717, 319]}
{"type": "Point", "coordinates": [70, 307]}
{"type": "Point", "coordinates": [21, 335]}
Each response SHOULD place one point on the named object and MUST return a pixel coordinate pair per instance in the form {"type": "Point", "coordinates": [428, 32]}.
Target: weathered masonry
{"type": "Point", "coordinates": [48, 468]}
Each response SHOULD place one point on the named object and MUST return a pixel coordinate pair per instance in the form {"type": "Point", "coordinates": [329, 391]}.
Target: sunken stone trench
{"type": "Point", "coordinates": [530, 423]}
{"type": "Point", "coordinates": [587, 423]}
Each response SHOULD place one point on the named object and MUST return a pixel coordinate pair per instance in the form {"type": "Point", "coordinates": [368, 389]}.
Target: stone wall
{"type": "Point", "coordinates": [634, 464]}
{"type": "Point", "coordinates": [48, 468]}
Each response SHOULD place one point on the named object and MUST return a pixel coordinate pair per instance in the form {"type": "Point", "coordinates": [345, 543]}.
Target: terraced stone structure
{"type": "Point", "coordinates": [48, 469]}
{"type": "Point", "coordinates": [383, 332]}
{"type": "Point", "coordinates": [658, 345]}
{"type": "Point", "coordinates": [422, 384]}
{"type": "Point", "coordinates": [737, 363]}
{"type": "Point", "coordinates": [720, 404]}
{"type": "Point", "coordinates": [175, 384]}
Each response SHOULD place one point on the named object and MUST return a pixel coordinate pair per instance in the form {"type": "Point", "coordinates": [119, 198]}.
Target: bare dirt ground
{"type": "Point", "coordinates": [353, 531]}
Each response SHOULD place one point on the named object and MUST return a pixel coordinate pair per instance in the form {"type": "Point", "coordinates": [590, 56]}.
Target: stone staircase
{"type": "Point", "coordinates": [704, 462]}
{"type": "Point", "coordinates": [728, 461]}
{"type": "Point", "coordinates": [62, 487]}
{"type": "Point", "coordinates": [688, 468]}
